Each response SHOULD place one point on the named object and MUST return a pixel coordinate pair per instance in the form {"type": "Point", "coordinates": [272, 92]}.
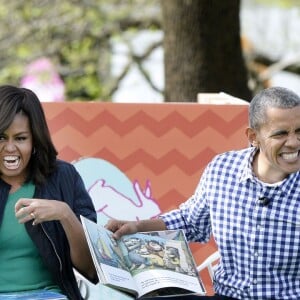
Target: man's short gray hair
{"type": "Point", "coordinates": [278, 97]}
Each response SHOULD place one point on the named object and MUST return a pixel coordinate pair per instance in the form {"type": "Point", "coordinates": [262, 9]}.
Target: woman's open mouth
{"type": "Point", "coordinates": [11, 162]}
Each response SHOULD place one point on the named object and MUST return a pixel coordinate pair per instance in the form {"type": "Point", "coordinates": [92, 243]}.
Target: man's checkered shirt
{"type": "Point", "coordinates": [259, 242]}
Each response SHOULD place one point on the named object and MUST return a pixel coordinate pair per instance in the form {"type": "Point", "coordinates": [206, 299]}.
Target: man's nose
{"type": "Point", "coordinates": [293, 140]}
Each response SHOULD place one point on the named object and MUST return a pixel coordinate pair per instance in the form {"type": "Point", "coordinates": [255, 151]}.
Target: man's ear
{"type": "Point", "coordinates": [252, 137]}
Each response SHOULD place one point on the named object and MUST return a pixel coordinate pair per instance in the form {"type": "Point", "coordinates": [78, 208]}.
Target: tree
{"type": "Point", "coordinates": [201, 45]}
{"type": "Point", "coordinates": [202, 49]}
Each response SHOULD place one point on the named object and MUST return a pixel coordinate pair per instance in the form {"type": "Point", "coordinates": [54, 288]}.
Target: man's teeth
{"type": "Point", "coordinates": [288, 156]}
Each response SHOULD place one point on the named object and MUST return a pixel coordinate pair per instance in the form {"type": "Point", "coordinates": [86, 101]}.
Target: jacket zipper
{"type": "Point", "coordinates": [58, 257]}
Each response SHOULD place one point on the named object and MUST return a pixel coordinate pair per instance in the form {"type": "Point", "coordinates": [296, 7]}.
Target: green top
{"type": "Point", "coordinates": [21, 267]}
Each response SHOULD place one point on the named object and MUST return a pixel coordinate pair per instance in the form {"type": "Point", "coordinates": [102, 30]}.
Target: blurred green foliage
{"type": "Point", "coordinates": [75, 35]}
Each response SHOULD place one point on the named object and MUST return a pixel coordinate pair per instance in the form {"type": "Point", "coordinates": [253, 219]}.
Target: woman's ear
{"type": "Point", "coordinates": [252, 137]}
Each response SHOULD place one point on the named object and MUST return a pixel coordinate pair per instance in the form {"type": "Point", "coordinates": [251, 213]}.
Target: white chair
{"type": "Point", "coordinates": [83, 285]}
{"type": "Point", "coordinates": [210, 263]}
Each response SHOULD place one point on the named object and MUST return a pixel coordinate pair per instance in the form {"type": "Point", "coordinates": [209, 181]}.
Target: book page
{"type": "Point", "coordinates": [108, 259]}
{"type": "Point", "coordinates": [156, 262]}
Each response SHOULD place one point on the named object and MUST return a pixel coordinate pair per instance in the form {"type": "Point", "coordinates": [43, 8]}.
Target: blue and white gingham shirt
{"type": "Point", "coordinates": [259, 244]}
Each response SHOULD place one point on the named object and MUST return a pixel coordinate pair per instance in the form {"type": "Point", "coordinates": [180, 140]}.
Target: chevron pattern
{"type": "Point", "coordinates": [161, 142]}
{"type": "Point", "coordinates": [158, 128]}
{"type": "Point", "coordinates": [169, 144]}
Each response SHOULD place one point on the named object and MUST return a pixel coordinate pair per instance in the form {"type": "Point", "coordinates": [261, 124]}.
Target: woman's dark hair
{"type": "Point", "coordinates": [14, 100]}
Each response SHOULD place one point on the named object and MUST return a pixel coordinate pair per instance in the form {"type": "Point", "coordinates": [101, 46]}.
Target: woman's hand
{"type": "Point", "coordinates": [40, 210]}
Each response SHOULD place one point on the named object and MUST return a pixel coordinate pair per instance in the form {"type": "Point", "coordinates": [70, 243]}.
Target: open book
{"type": "Point", "coordinates": [144, 264]}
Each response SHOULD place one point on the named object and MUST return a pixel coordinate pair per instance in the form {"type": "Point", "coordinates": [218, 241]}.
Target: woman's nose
{"type": "Point", "coordinates": [9, 146]}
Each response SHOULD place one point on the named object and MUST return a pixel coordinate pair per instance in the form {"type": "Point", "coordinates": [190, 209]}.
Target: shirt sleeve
{"type": "Point", "coordinates": [71, 190]}
{"type": "Point", "coordinates": [193, 215]}
{"type": "Point", "coordinates": [84, 204]}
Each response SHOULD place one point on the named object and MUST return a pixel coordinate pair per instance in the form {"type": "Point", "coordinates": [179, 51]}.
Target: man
{"type": "Point", "coordinates": [250, 201]}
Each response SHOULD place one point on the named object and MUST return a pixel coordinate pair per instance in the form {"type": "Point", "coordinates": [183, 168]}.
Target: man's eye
{"type": "Point", "coordinates": [21, 138]}
{"type": "Point", "coordinates": [279, 134]}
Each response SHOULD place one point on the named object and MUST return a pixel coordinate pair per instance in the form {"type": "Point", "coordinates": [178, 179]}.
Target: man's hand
{"type": "Point", "coordinates": [121, 227]}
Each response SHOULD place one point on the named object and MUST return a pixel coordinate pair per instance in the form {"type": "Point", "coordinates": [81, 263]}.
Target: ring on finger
{"type": "Point", "coordinates": [32, 215]}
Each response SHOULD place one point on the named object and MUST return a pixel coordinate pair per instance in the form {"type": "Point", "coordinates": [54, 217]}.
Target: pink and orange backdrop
{"type": "Point", "coordinates": [163, 148]}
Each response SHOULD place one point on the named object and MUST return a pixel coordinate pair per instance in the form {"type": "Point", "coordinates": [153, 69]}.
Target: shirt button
{"type": "Point", "coordinates": [256, 254]}
{"type": "Point", "coordinates": [254, 281]}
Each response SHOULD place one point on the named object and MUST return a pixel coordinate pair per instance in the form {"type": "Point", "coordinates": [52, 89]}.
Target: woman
{"type": "Point", "coordinates": [41, 199]}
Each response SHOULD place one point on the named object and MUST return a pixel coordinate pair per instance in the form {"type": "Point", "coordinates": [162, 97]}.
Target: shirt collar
{"type": "Point", "coordinates": [246, 165]}
{"type": "Point", "coordinates": [247, 174]}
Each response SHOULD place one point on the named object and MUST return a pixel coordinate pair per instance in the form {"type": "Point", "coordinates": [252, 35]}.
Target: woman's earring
{"type": "Point", "coordinates": [33, 151]}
